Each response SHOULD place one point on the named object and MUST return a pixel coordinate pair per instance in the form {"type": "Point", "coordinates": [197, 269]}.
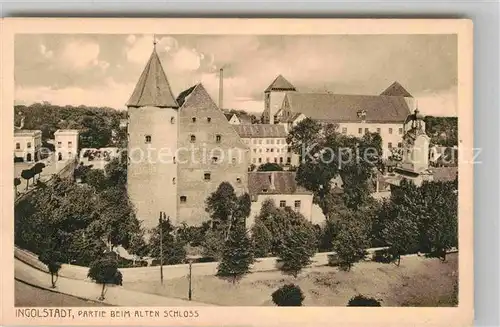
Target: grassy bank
{"type": "Point", "coordinates": [417, 282]}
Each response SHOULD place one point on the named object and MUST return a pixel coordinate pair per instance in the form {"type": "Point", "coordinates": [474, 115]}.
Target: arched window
{"type": "Point", "coordinates": [148, 138]}
{"type": "Point", "coordinates": [193, 138]}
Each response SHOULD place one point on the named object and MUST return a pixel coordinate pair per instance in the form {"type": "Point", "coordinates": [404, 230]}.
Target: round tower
{"type": "Point", "coordinates": [152, 145]}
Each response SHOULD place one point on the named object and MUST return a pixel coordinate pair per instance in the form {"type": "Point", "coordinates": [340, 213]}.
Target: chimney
{"type": "Point", "coordinates": [271, 180]}
{"type": "Point", "coordinates": [221, 82]}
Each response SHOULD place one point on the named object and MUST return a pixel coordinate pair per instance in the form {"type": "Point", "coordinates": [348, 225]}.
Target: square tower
{"type": "Point", "coordinates": [273, 97]}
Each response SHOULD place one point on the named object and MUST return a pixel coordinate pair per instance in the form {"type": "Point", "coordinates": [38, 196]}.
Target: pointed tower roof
{"type": "Point", "coordinates": [280, 84]}
{"type": "Point", "coordinates": [397, 90]}
{"type": "Point", "coordinates": [153, 88]}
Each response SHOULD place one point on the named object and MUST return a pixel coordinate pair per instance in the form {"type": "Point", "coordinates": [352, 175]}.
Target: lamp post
{"type": "Point", "coordinates": [190, 260]}
{"type": "Point", "coordinates": [161, 221]}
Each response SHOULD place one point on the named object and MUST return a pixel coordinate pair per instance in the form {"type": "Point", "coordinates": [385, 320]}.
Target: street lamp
{"type": "Point", "coordinates": [161, 221]}
{"type": "Point", "coordinates": [190, 260]}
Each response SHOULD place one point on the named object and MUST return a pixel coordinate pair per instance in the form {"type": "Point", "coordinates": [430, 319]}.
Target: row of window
{"type": "Point", "coordinates": [268, 141]}
{"type": "Point", "coordinates": [268, 160]}
{"type": "Point", "coordinates": [18, 145]}
{"type": "Point", "coordinates": [289, 150]}
{"type": "Point", "coordinates": [296, 204]}
{"type": "Point", "coordinates": [218, 138]}
{"type": "Point", "coordinates": [367, 130]}
{"type": "Point", "coordinates": [193, 119]}
{"type": "Point", "coordinates": [70, 144]}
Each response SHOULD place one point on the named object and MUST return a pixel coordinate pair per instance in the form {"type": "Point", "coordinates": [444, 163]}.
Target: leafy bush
{"type": "Point", "coordinates": [289, 295]}
{"type": "Point", "coordinates": [363, 301]}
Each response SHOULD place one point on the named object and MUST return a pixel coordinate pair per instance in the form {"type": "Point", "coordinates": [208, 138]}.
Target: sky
{"type": "Point", "coordinates": [102, 69]}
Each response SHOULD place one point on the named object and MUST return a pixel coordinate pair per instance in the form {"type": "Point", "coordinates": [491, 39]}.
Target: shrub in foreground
{"type": "Point", "coordinates": [289, 295]}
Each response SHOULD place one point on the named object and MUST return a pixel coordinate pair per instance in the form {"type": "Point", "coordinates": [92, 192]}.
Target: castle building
{"type": "Point", "coordinates": [66, 144]}
{"type": "Point", "coordinates": [27, 145]}
{"type": "Point", "coordinates": [355, 115]}
{"type": "Point", "coordinates": [267, 144]}
{"type": "Point", "coordinates": [273, 98]}
{"type": "Point", "coordinates": [179, 149]}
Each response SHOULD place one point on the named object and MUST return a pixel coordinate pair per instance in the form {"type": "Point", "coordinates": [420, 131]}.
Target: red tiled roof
{"type": "Point", "coordinates": [396, 89]}
{"type": "Point", "coordinates": [153, 88]}
{"type": "Point", "coordinates": [345, 107]}
{"type": "Point", "coordinates": [280, 84]}
{"type": "Point", "coordinates": [261, 131]}
{"type": "Point", "coordinates": [284, 183]}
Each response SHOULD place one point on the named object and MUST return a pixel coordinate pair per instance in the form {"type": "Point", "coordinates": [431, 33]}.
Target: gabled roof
{"type": "Point", "coordinates": [293, 117]}
{"type": "Point", "coordinates": [153, 88]}
{"type": "Point", "coordinates": [228, 116]}
{"type": "Point", "coordinates": [280, 84]}
{"type": "Point", "coordinates": [273, 182]}
{"type": "Point", "coordinates": [261, 131]}
{"type": "Point", "coordinates": [345, 107]}
{"type": "Point", "coordinates": [396, 89]}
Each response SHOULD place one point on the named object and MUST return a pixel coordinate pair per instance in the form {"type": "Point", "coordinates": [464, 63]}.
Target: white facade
{"type": "Point", "coordinates": [27, 144]}
{"type": "Point", "coordinates": [391, 133]}
{"type": "Point", "coordinates": [300, 202]}
{"type": "Point", "coordinates": [270, 150]}
{"type": "Point", "coordinates": [66, 144]}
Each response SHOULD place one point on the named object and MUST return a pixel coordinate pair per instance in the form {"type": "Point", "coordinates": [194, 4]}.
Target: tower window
{"type": "Point", "coordinates": [147, 138]}
{"type": "Point", "coordinates": [183, 198]}
{"type": "Point", "coordinates": [207, 176]}
{"type": "Point", "coordinates": [238, 180]}
{"type": "Point", "coordinates": [173, 160]}
{"type": "Point", "coordinates": [218, 138]}
{"type": "Point", "coordinates": [209, 119]}
{"type": "Point", "coordinates": [215, 160]}
{"type": "Point", "coordinates": [172, 120]}
{"type": "Point", "coordinates": [193, 119]}
{"type": "Point", "coordinates": [193, 138]}
{"type": "Point", "coordinates": [173, 180]}
{"type": "Point", "coordinates": [400, 131]}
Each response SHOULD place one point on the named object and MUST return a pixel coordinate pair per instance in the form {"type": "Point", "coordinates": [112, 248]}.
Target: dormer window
{"type": "Point", "coordinates": [147, 139]}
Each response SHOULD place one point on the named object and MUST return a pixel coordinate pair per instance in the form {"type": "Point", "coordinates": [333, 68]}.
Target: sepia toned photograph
{"type": "Point", "coordinates": [183, 170]}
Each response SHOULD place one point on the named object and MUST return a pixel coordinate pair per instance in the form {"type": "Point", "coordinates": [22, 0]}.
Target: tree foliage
{"type": "Point", "coordinates": [442, 130]}
{"type": "Point", "coordinates": [105, 271]}
{"type": "Point", "coordinates": [27, 174]}
{"type": "Point", "coordinates": [363, 301]}
{"type": "Point", "coordinates": [262, 239]}
{"type": "Point", "coordinates": [237, 254]}
{"type": "Point", "coordinates": [352, 239]}
{"type": "Point", "coordinates": [288, 295]}
{"type": "Point", "coordinates": [172, 245]}
{"type": "Point", "coordinates": [270, 166]}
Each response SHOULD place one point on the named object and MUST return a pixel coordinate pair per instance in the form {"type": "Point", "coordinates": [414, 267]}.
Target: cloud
{"type": "Point", "coordinates": [138, 49]}
{"type": "Point", "coordinates": [109, 94]}
{"type": "Point", "coordinates": [442, 103]}
{"type": "Point", "coordinates": [79, 55]}
{"type": "Point", "coordinates": [185, 60]}
{"type": "Point", "coordinates": [48, 54]}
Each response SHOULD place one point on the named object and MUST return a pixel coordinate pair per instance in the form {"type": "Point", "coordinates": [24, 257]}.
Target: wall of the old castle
{"type": "Point", "coordinates": [152, 173]}
{"type": "Point", "coordinates": [195, 157]}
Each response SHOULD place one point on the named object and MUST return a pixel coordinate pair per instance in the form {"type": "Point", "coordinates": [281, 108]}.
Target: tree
{"type": "Point", "coordinates": [38, 168]}
{"type": "Point", "coordinates": [105, 271]}
{"type": "Point", "coordinates": [27, 174]}
{"type": "Point", "coordinates": [17, 182]}
{"type": "Point", "coordinates": [137, 245]}
{"type": "Point", "coordinates": [363, 301]}
{"type": "Point", "coordinates": [172, 246]}
{"type": "Point", "coordinates": [298, 247]}
{"type": "Point", "coordinates": [400, 233]}
{"type": "Point", "coordinates": [116, 170]}
{"type": "Point", "coordinates": [52, 258]}
{"type": "Point", "coordinates": [262, 239]}
{"type": "Point", "coordinates": [237, 255]}
{"type": "Point", "coordinates": [288, 295]}
{"type": "Point", "coordinates": [351, 241]}
{"type": "Point", "coordinates": [270, 166]}
{"type": "Point", "coordinates": [96, 179]}
{"type": "Point", "coordinates": [303, 136]}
